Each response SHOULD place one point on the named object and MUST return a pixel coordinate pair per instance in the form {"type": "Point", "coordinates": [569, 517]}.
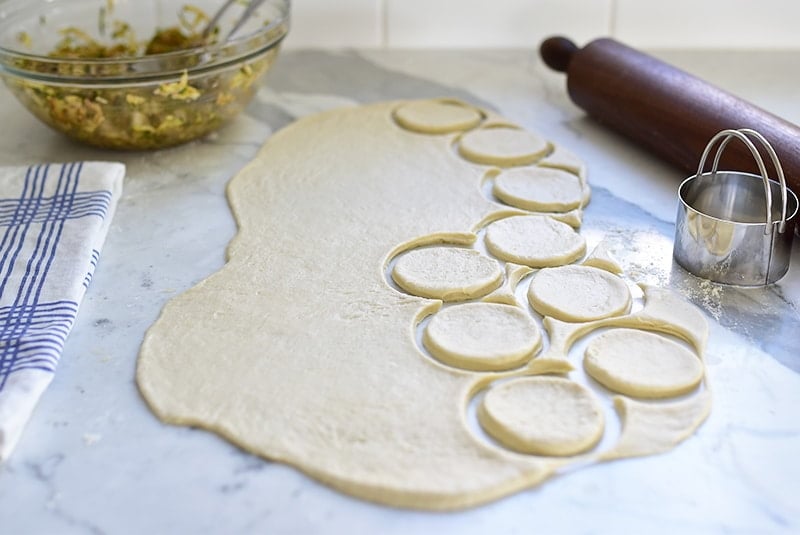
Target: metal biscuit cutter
{"type": "Point", "coordinates": [728, 228]}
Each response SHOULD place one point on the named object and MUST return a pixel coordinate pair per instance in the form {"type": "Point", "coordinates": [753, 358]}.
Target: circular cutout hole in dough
{"type": "Point", "coordinates": [482, 336]}
{"type": "Point", "coordinates": [578, 293]}
{"type": "Point", "coordinates": [539, 189]}
{"type": "Point", "coordinates": [542, 416]}
{"type": "Point", "coordinates": [447, 273]}
{"type": "Point", "coordinates": [642, 364]}
{"type": "Point", "coordinates": [502, 146]}
{"type": "Point", "coordinates": [534, 240]}
{"type": "Point", "coordinates": [437, 116]}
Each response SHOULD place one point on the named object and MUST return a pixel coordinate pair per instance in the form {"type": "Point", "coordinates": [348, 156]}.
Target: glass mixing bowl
{"type": "Point", "coordinates": [134, 101]}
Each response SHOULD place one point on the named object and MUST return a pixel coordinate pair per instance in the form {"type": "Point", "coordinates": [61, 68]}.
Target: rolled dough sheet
{"type": "Point", "coordinates": [300, 350]}
{"type": "Point", "coordinates": [602, 258]}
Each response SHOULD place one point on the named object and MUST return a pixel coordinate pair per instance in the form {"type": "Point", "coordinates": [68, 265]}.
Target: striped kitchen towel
{"type": "Point", "coordinates": [53, 221]}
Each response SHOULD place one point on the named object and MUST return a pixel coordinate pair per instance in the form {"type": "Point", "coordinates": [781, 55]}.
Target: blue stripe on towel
{"type": "Point", "coordinates": [32, 333]}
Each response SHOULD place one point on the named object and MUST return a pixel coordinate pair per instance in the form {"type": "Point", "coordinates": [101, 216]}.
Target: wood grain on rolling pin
{"type": "Point", "coordinates": [668, 111]}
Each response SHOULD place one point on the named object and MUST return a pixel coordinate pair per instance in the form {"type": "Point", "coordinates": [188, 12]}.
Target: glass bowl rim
{"type": "Point", "coordinates": [196, 60]}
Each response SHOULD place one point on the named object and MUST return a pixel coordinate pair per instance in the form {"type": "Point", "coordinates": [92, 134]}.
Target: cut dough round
{"type": "Point", "coordinates": [482, 336]}
{"type": "Point", "coordinates": [502, 146]}
{"type": "Point", "coordinates": [642, 364]}
{"type": "Point", "coordinates": [437, 116]}
{"type": "Point", "coordinates": [539, 188]}
{"type": "Point", "coordinates": [447, 273]}
{"type": "Point", "coordinates": [534, 240]}
{"type": "Point", "coordinates": [578, 293]}
{"type": "Point", "coordinates": [542, 415]}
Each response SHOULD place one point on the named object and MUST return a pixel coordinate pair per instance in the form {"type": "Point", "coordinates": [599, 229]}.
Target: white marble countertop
{"type": "Point", "coordinates": [94, 460]}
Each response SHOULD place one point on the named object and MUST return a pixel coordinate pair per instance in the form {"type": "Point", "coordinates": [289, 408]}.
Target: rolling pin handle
{"type": "Point", "coordinates": [557, 52]}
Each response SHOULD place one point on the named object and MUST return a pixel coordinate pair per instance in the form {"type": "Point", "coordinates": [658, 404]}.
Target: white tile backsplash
{"type": "Point", "coordinates": [666, 24]}
{"type": "Point", "coordinates": [336, 23]}
{"type": "Point", "coordinates": [496, 23]}
{"type": "Point", "coordinates": [709, 23]}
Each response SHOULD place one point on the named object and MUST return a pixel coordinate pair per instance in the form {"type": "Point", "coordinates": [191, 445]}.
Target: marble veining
{"type": "Point", "coordinates": [94, 460]}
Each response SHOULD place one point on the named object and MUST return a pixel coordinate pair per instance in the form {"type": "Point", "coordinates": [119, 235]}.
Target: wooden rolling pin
{"type": "Point", "coordinates": [668, 111]}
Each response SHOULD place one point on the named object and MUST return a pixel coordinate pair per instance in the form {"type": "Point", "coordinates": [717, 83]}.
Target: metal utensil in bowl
{"type": "Point", "coordinates": [212, 26]}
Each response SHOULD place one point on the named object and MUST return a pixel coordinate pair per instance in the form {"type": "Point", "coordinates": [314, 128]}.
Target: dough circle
{"type": "Point", "coordinates": [642, 364]}
{"type": "Point", "coordinates": [446, 273]}
{"type": "Point", "coordinates": [437, 116]}
{"type": "Point", "coordinates": [502, 146]}
{"type": "Point", "coordinates": [578, 293]}
{"type": "Point", "coordinates": [539, 189]}
{"type": "Point", "coordinates": [482, 336]}
{"type": "Point", "coordinates": [534, 240]}
{"type": "Point", "coordinates": [542, 416]}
